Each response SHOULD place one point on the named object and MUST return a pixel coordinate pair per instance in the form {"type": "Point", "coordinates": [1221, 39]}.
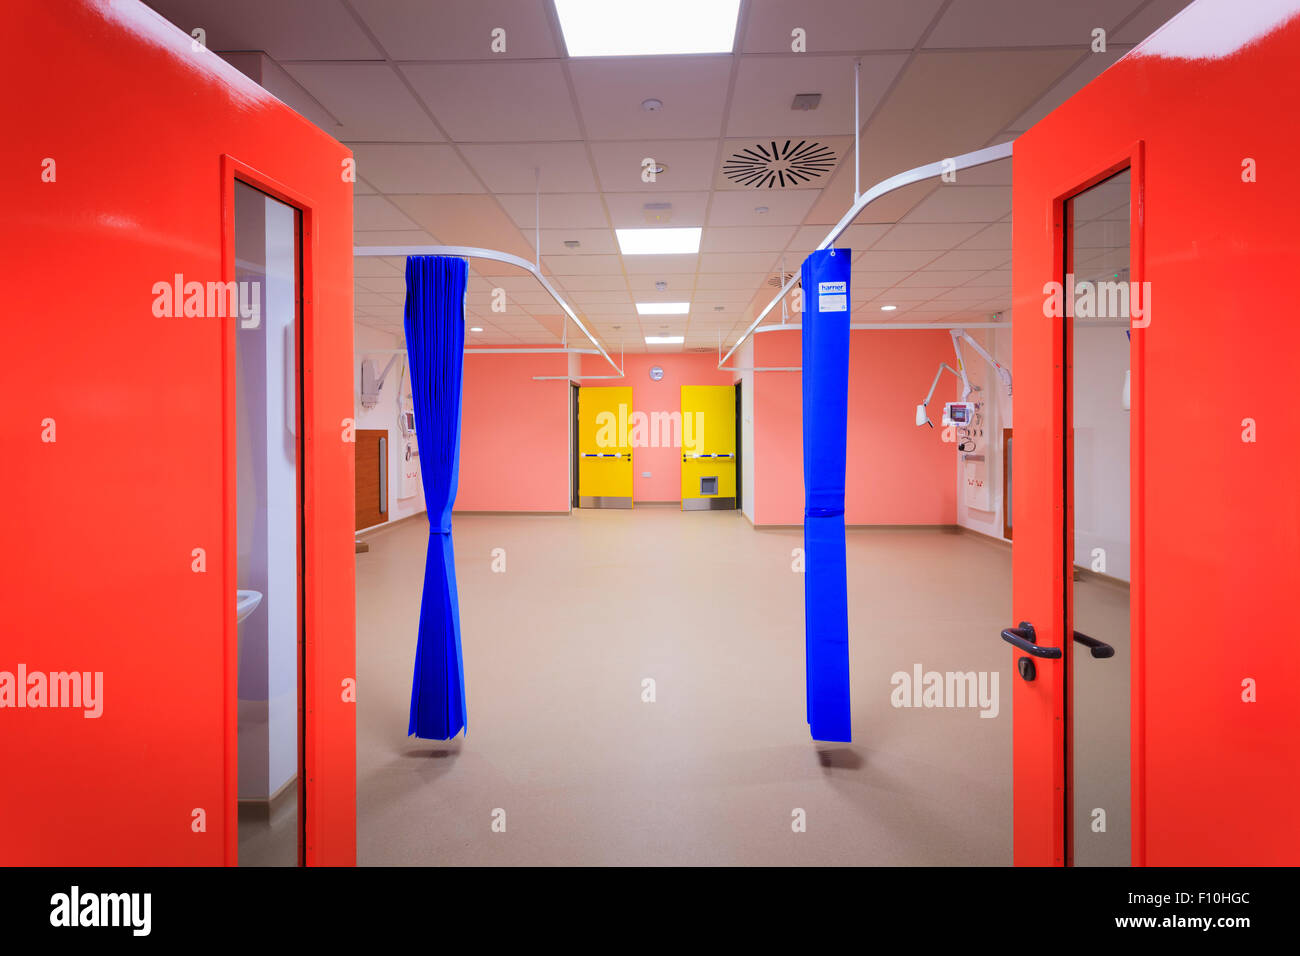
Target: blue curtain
{"type": "Point", "coordinates": [435, 348]}
{"type": "Point", "coordinates": [825, 277]}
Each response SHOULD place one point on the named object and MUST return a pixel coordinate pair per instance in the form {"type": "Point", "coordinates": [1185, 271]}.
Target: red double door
{"type": "Point", "coordinates": [1171, 175]}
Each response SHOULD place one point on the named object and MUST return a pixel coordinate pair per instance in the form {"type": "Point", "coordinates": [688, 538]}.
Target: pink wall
{"type": "Point", "coordinates": [514, 435]}
{"type": "Point", "coordinates": [663, 464]}
{"type": "Point", "coordinates": [897, 473]}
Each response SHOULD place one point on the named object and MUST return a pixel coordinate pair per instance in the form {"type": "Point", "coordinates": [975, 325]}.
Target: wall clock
{"type": "Point", "coordinates": [656, 373]}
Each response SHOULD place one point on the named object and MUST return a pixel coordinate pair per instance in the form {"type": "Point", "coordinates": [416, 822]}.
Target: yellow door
{"type": "Point", "coordinates": [604, 449]}
{"type": "Point", "coordinates": [708, 447]}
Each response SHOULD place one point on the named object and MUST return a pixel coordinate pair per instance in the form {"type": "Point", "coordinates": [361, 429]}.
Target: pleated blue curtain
{"type": "Point", "coordinates": [826, 276]}
{"type": "Point", "coordinates": [435, 349]}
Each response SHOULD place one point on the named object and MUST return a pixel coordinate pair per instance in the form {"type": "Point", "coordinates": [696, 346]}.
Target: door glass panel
{"type": "Point", "coordinates": [1097, 499]}
{"type": "Point", "coordinates": [267, 461]}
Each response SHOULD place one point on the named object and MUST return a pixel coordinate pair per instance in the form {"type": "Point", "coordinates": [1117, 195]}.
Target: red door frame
{"type": "Point", "coordinates": [143, 400]}
{"type": "Point", "coordinates": [1043, 708]}
{"type": "Point", "coordinates": [1214, 555]}
{"type": "Point", "coordinates": [232, 171]}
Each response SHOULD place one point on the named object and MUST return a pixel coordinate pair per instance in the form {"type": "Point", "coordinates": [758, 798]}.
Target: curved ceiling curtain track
{"type": "Point", "coordinates": [990, 154]}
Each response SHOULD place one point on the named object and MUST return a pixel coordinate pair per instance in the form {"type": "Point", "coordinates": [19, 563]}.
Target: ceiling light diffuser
{"type": "Point", "coordinates": [658, 242]}
{"type": "Point", "coordinates": [888, 308]}
{"type": "Point", "coordinates": [664, 339]}
{"type": "Point", "coordinates": [663, 308]}
{"type": "Point", "coordinates": [605, 28]}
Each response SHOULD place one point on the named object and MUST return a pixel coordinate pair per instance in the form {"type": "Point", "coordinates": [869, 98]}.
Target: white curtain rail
{"type": "Point", "coordinates": [569, 378]}
{"type": "Point", "coordinates": [979, 157]}
{"type": "Point", "coordinates": [488, 350]}
{"type": "Point", "coordinates": [473, 252]}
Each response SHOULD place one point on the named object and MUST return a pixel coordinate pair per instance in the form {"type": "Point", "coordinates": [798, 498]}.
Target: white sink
{"type": "Point", "coordinates": [246, 602]}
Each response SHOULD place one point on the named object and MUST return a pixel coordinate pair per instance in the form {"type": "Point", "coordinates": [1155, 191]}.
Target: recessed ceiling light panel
{"type": "Point", "coordinates": [663, 308]}
{"type": "Point", "coordinates": [664, 339]}
{"type": "Point", "coordinates": [652, 242]}
{"type": "Point", "coordinates": [619, 28]}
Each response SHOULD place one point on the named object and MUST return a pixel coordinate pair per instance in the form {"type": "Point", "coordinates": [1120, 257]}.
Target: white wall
{"type": "Point", "coordinates": [1101, 450]}
{"type": "Point", "coordinates": [384, 414]}
{"type": "Point", "coordinates": [998, 408]}
{"type": "Point", "coordinates": [744, 358]}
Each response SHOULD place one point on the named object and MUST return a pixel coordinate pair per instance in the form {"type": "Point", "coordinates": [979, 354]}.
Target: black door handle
{"type": "Point", "coordinates": [1096, 647]}
{"type": "Point", "coordinates": [1024, 638]}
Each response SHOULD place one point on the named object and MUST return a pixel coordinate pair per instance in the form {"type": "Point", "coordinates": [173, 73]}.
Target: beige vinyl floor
{"type": "Point", "coordinates": [560, 742]}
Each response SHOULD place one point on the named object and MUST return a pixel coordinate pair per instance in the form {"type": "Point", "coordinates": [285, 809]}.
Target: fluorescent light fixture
{"type": "Point", "coordinates": [623, 28]}
{"type": "Point", "coordinates": [658, 242]}
{"type": "Point", "coordinates": [888, 308]}
{"type": "Point", "coordinates": [476, 328]}
{"type": "Point", "coordinates": [663, 308]}
{"type": "Point", "coordinates": [664, 339]}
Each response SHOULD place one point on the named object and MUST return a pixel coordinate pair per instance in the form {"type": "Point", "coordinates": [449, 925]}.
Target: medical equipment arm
{"type": "Point", "coordinates": [921, 417]}
{"type": "Point", "coordinates": [1003, 373]}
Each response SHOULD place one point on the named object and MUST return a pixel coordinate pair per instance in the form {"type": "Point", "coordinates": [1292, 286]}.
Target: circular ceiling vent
{"type": "Point", "coordinates": [781, 166]}
{"type": "Point", "coordinates": [777, 280]}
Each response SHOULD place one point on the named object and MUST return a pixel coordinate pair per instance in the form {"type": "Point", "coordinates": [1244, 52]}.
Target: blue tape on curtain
{"type": "Point", "coordinates": [826, 277]}
{"type": "Point", "coordinates": [435, 349]}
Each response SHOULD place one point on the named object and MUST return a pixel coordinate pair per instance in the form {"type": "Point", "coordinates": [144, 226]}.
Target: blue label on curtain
{"type": "Point", "coordinates": [826, 279]}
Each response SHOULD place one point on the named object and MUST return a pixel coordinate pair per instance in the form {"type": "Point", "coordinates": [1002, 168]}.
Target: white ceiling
{"type": "Point", "coordinates": [453, 141]}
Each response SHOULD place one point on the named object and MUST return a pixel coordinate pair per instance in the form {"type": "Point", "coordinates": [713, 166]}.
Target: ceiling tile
{"type": "Point", "coordinates": [497, 102]}
{"type": "Point", "coordinates": [932, 279]}
{"type": "Point", "coordinates": [951, 203]}
{"type": "Point", "coordinates": [414, 168]}
{"type": "Point", "coordinates": [522, 168]}
{"type": "Point", "coordinates": [459, 29]}
{"type": "Point", "coordinates": [660, 265]}
{"type": "Point", "coordinates": [572, 283]}
{"type": "Point", "coordinates": [972, 259]}
{"type": "Point", "coordinates": [738, 261]}
{"type": "Point", "coordinates": [610, 92]}
{"type": "Point", "coordinates": [994, 279]}
{"type": "Point", "coordinates": [584, 265]}
{"type": "Point", "coordinates": [1079, 77]}
{"type": "Point", "coordinates": [559, 211]}
{"type": "Point", "coordinates": [784, 207]}
{"type": "Point", "coordinates": [855, 26]}
{"type": "Point", "coordinates": [1149, 19]}
{"type": "Point", "coordinates": [1007, 23]}
{"type": "Point", "coordinates": [883, 261]}
{"type": "Point", "coordinates": [591, 242]}
{"type": "Point", "coordinates": [689, 165]}
{"type": "Point", "coordinates": [376, 212]}
{"type": "Point", "coordinates": [995, 236]}
{"type": "Point", "coordinates": [393, 237]}
{"type": "Point", "coordinates": [468, 221]}
{"type": "Point", "coordinates": [939, 236]}
{"type": "Point", "coordinates": [369, 99]}
{"type": "Point", "coordinates": [944, 104]}
{"type": "Point", "coordinates": [765, 87]}
{"type": "Point", "coordinates": [679, 284]}
{"type": "Point", "coordinates": [286, 29]}
{"type": "Point", "coordinates": [627, 210]}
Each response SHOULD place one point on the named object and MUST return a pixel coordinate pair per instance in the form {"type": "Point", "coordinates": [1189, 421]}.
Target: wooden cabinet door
{"type": "Point", "coordinates": [372, 477]}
